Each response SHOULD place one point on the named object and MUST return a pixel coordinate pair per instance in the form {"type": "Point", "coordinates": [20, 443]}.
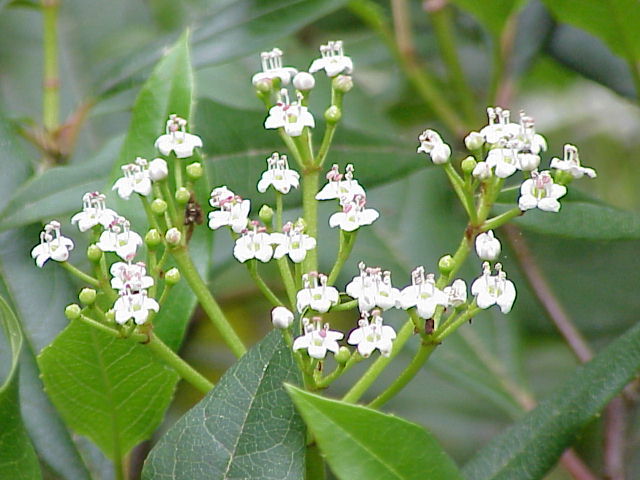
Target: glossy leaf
{"type": "Point", "coordinates": [112, 390]}
{"type": "Point", "coordinates": [528, 449]}
{"type": "Point", "coordinates": [18, 460]}
{"type": "Point", "coordinates": [359, 442]}
{"type": "Point", "coordinates": [493, 14]}
{"type": "Point", "coordinates": [246, 427]}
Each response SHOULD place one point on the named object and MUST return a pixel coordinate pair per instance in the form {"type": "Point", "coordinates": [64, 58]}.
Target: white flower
{"type": "Point", "coordinates": [488, 246]}
{"type": "Point", "coordinates": [234, 211]}
{"type": "Point", "coordinates": [176, 138]}
{"type": "Point", "coordinates": [293, 117]}
{"type": "Point", "coordinates": [281, 317]}
{"type": "Point", "coordinates": [504, 159]}
{"type": "Point", "coordinates": [571, 163]}
{"type": "Point", "coordinates": [130, 275]}
{"type": "Point", "coordinates": [254, 243]}
{"type": "Point", "coordinates": [474, 141]}
{"type": "Point", "coordinates": [337, 187]}
{"type": "Point", "coordinates": [494, 289]}
{"type": "Point", "coordinates": [373, 288]}
{"type": "Point", "coordinates": [354, 214]}
{"type": "Point", "coordinates": [52, 245]}
{"type": "Point", "coordinates": [121, 239]}
{"type": "Point", "coordinates": [500, 126]}
{"type": "Point", "coordinates": [333, 60]}
{"type": "Point", "coordinates": [432, 145]}
{"type": "Point", "coordinates": [136, 179]}
{"type": "Point", "coordinates": [279, 175]}
{"type": "Point", "coordinates": [292, 242]}
{"type": "Point", "coordinates": [134, 305]}
{"type": "Point", "coordinates": [272, 68]}
{"type": "Point", "coordinates": [530, 141]}
{"type": "Point", "coordinates": [158, 169]}
{"type": "Point", "coordinates": [540, 191]}
{"type": "Point", "coordinates": [456, 293]}
{"type": "Point", "coordinates": [317, 338]}
{"type": "Point", "coordinates": [372, 334]}
{"type": "Point", "coordinates": [482, 171]}
{"type": "Point", "coordinates": [94, 212]}
{"type": "Point", "coordinates": [315, 293]}
{"type": "Point", "coordinates": [423, 294]}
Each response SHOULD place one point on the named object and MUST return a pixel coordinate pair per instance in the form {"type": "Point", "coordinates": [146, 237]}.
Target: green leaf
{"type": "Point", "coordinates": [359, 442]}
{"type": "Point", "coordinates": [246, 427]}
{"type": "Point", "coordinates": [18, 460]}
{"type": "Point", "coordinates": [528, 449]}
{"type": "Point", "coordinates": [493, 14]}
{"type": "Point", "coordinates": [112, 390]}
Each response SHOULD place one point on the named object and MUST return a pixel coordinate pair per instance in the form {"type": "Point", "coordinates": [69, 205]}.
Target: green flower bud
{"type": "Point", "coordinates": [87, 296]}
{"type": "Point", "coordinates": [468, 164]}
{"type": "Point", "coordinates": [263, 86]}
{"type": "Point", "coordinates": [159, 206]}
{"type": "Point", "coordinates": [446, 264]}
{"type": "Point", "coordinates": [266, 214]}
{"type": "Point", "coordinates": [343, 83]}
{"type": "Point", "coordinates": [195, 171]}
{"type": "Point", "coordinates": [94, 254]}
{"type": "Point", "coordinates": [173, 237]}
{"type": "Point", "coordinates": [182, 196]}
{"type": "Point", "coordinates": [172, 276]}
{"type": "Point", "coordinates": [562, 177]}
{"type": "Point", "coordinates": [72, 312]}
{"type": "Point", "coordinates": [343, 355]}
{"type": "Point", "coordinates": [110, 315]}
{"type": "Point", "coordinates": [153, 238]}
{"type": "Point", "coordinates": [333, 114]}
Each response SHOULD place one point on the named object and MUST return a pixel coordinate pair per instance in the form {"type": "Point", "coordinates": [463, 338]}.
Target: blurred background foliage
{"type": "Point", "coordinates": [572, 77]}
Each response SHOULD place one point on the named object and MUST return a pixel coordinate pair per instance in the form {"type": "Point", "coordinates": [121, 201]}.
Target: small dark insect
{"type": "Point", "coordinates": [192, 215]}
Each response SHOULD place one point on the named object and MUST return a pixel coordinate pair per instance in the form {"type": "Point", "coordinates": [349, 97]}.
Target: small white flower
{"type": "Point", "coordinates": [94, 212]}
{"type": "Point", "coordinates": [354, 214]}
{"type": "Point", "coordinates": [482, 171]}
{"type": "Point", "coordinates": [372, 334]}
{"type": "Point", "coordinates": [272, 68]}
{"type": "Point", "coordinates": [293, 117]}
{"type": "Point", "coordinates": [337, 187]}
{"type": "Point", "coordinates": [136, 179]}
{"type": "Point", "coordinates": [488, 246]}
{"type": "Point", "coordinates": [373, 289]}
{"type": "Point", "coordinates": [176, 138]}
{"type": "Point", "coordinates": [121, 239]}
{"type": "Point", "coordinates": [333, 60]}
{"type": "Point", "coordinates": [432, 145]}
{"type": "Point", "coordinates": [504, 159]}
{"type": "Point", "coordinates": [494, 289]}
{"type": "Point", "coordinates": [254, 243]}
{"type": "Point", "coordinates": [292, 242]}
{"type": "Point", "coordinates": [540, 191]}
{"type": "Point", "coordinates": [130, 275]}
{"type": "Point", "coordinates": [317, 338]}
{"type": "Point", "coordinates": [234, 211]}
{"type": "Point", "coordinates": [423, 294]}
{"type": "Point", "coordinates": [281, 317]}
{"type": "Point", "coordinates": [530, 141]}
{"type": "Point", "coordinates": [279, 175]}
{"type": "Point", "coordinates": [134, 305]}
{"type": "Point", "coordinates": [52, 245]}
{"type": "Point", "coordinates": [158, 169]}
{"type": "Point", "coordinates": [474, 141]}
{"type": "Point", "coordinates": [571, 163]}
{"type": "Point", "coordinates": [500, 126]}
{"type": "Point", "coordinates": [456, 293]}
{"type": "Point", "coordinates": [315, 293]}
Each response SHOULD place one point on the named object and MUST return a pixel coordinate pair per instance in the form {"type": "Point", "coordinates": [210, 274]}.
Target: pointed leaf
{"type": "Point", "coordinates": [532, 446]}
{"type": "Point", "coordinates": [112, 390]}
{"type": "Point", "coordinates": [359, 442]}
{"type": "Point", "coordinates": [246, 427]}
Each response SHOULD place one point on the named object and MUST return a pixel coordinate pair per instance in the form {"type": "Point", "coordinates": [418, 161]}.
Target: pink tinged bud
{"type": "Point", "coordinates": [173, 237]}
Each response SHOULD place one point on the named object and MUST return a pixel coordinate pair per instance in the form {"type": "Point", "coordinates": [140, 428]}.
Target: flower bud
{"type": "Point", "coordinates": [110, 315]}
{"type": "Point", "coordinates": [72, 312]}
{"type": "Point", "coordinates": [562, 177]}
{"type": "Point", "coordinates": [281, 317]}
{"type": "Point", "coordinates": [264, 85]}
{"type": "Point", "coordinates": [172, 276]}
{"type": "Point", "coordinates": [529, 161]}
{"type": "Point", "coordinates": [446, 264]}
{"type": "Point", "coordinates": [159, 206]}
{"type": "Point", "coordinates": [343, 355]}
{"type": "Point", "coordinates": [173, 237]}
{"type": "Point", "coordinates": [304, 81]}
{"type": "Point", "coordinates": [488, 246]}
{"type": "Point", "coordinates": [474, 141]}
{"type": "Point", "coordinates": [343, 83]}
{"type": "Point", "coordinates": [468, 164]}
{"type": "Point", "coordinates": [158, 169]}
{"type": "Point", "coordinates": [482, 171]}
{"type": "Point", "coordinates": [153, 238]}
{"type": "Point", "coordinates": [333, 114]}
{"type": "Point", "coordinates": [195, 171]}
{"type": "Point", "coordinates": [94, 254]}
{"type": "Point", "coordinates": [182, 196]}
{"type": "Point", "coordinates": [266, 214]}
{"type": "Point", "coordinates": [87, 296]}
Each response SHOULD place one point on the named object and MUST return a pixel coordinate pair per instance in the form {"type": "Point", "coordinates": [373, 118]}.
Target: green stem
{"type": "Point", "coordinates": [283, 264]}
{"type": "Point", "coordinates": [347, 240]}
{"type": "Point", "coordinates": [94, 282]}
{"type": "Point", "coordinates": [488, 198]}
{"type": "Point", "coordinates": [171, 207]}
{"type": "Point", "coordinates": [186, 371]}
{"type": "Point", "coordinates": [164, 294]}
{"type": "Point", "coordinates": [99, 326]}
{"type": "Point", "coordinates": [451, 327]}
{"type": "Point", "coordinates": [118, 462]}
{"type": "Point", "coordinates": [153, 221]}
{"type": "Point", "coordinates": [177, 171]}
{"type": "Point", "coordinates": [252, 266]}
{"type": "Point", "coordinates": [350, 305]}
{"type": "Point", "coordinates": [634, 66]}
{"type": "Point", "coordinates": [310, 179]}
{"type": "Point", "coordinates": [330, 130]}
{"type": "Point", "coordinates": [459, 187]}
{"type": "Point", "coordinates": [51, 80]}
{"type": "Point", "coordinates": [209, 304]}
{"type": "Point", "coordinates": [501, 219]}
{"type": "Point", "coordinates": [498, 71]}
{"type": "Point", "coordinates": [103, 279]}
{"type": "Point", "coordinates": [314, 463]}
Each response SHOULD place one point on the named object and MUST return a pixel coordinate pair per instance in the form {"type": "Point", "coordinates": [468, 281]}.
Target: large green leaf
{"type": "Point", "coordinates": [533, 445]}
{"type": "Point", "coordinates": [493, 14]}
{"type": "Point", "coordinates": [18, 460]}
{"type": "Point", "coordinates": [112, 390]}
{"type": "Point", "coordinates": [246, 427]}
{"type": "Point", "coordinates": [359, 442]}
